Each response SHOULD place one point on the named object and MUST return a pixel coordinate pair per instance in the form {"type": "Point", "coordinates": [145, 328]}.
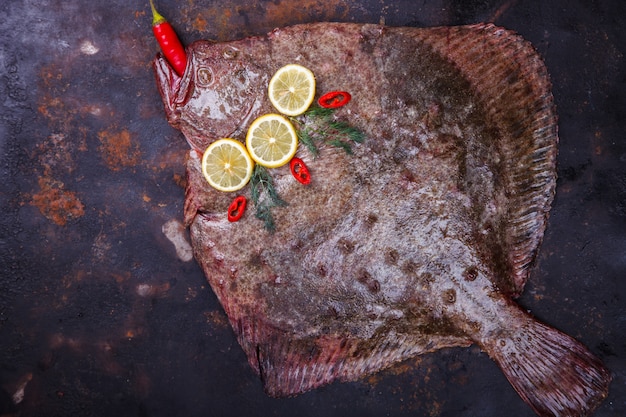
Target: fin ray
{"type": "Point", "coordinates": [552, 372]}
{"type": "Point", "coordinates": [512, 82]}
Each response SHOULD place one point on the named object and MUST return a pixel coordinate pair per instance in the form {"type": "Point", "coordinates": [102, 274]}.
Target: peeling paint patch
{"type": "Point", "coordinates": [149, 290]}
{"type": "Point", "coordinates": [175, 232]}
{"type": "Point", "coordinates": [100, 247]}
{"type": "Point", "coordinates": [56, 203]}
{"type": "Point", "coordinates": [88, 48]}
{"type": "Point", "coordinates": [56, 154]}
{"type": "Point", "coordinates": [18, 395]}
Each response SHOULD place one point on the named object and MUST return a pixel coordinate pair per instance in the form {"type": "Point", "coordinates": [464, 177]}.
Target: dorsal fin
{"type": "Point", "coordinates": [512, 82]}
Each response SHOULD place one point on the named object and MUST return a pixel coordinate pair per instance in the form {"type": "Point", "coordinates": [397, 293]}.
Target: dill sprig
{"type": "Point", "coordinates": [318, 124]}
{"type": "Point", "coordinates": [345, 129]}
{"type": "Point", "coordinates": [262, 181]}
{"type": "Point", "coordinates": [318, 111]}
{"type": "Point", "coordinates": [341, 144]}
{"type": "Point", "coordinates": [304, 136]}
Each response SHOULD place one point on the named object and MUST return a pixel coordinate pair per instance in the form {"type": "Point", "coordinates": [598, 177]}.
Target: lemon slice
{"type": "Point", "coordinates": [226, 165]}
{"type": "Point", "coordinates": [292, 89]}
{"type": "Point", "coordinates": [272, 140]}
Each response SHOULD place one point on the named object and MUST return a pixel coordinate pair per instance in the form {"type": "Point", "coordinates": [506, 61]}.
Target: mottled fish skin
{"type": "Point", "coordinates": [416, 241]}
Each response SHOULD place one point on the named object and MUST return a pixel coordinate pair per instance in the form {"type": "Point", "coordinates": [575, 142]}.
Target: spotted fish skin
{"type": "Point", "coordinates": [417, 240]}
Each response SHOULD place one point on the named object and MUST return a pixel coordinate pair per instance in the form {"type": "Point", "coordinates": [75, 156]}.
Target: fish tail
{"type": "Point", "coordinates": [553, 373]}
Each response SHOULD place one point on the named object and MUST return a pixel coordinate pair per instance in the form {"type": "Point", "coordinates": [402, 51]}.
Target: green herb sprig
{"type": "Point", "coordinates": [318, 124]}
{"type": "Point", "coordinates": [264, 196]}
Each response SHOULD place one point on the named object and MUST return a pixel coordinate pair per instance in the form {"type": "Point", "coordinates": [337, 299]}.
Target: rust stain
{"type": "Point", "coordinates": [421, 395]}
{"type": "Point", "coordinates": [217, 319]}
{"type": "Point", "coordinates": [169, 159]}
{"type": "Point", "coordinates": [221, 19]}
{"type": "Point", "coordinates": [121, 277]}
{"type": "Point", "coordinates": [282, 14]}
{"type": "Point", "coordinates": [255, 17]}
{"type": "Point", "coordinates": [200, 23]}
{"type": "Point", "coordinates": [397, 369]}
{"type": "Point", "coordinates": [56, 203]}
{"type": "Point", "coordinates": [180, 180]}
{"type": "Point", "coordinates": [134, 52]}
{"type": "Point", "coordinates": [51, 105]}
{"type": "Point", "coordinates": [142, 384]}
{"type": "Point", "coordinates": [118, 149]}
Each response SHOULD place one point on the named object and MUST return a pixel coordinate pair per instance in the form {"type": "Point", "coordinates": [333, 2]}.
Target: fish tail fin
{"type": "Point", "coordinates": [553, 373]}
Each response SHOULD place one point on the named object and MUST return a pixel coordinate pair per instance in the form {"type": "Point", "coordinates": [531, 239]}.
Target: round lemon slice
{"type": "Point", "coordinates": [226, 165]}
{"type": "Point", "coordinates": [272, 140]}
{"type": "Point", "coordinates": [292, 89]}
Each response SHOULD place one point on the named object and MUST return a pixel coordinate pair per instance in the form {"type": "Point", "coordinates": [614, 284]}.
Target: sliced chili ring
{"type": "Point", "coordinates": [334, 99]}
{"type": "Point", "coordinates": [300, 171]}
{"type": "Point", "coordinates": [236, 208]}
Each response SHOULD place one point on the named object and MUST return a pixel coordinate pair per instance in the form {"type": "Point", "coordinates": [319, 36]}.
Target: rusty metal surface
{"type": "Point", "coordinates": [102, 313]}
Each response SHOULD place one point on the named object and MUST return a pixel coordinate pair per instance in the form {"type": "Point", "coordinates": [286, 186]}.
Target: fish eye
{"type": "Point", "coordinates": [230, 53]}
{"type": "Point", "coordinates": [204, 76]}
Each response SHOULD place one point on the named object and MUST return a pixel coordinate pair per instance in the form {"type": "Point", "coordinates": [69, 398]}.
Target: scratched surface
{"type": "Point", "coordinates": [101, 310]}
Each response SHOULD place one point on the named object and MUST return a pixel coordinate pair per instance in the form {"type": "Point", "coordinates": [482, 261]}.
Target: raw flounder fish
{"type": "Point", "coordinates": [415, 241]}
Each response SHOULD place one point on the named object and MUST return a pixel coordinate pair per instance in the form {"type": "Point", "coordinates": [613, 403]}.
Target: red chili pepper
{"type": "Point", "coordinates": [169, 42]}
{"type": "Point", "coordinates": [334, 99]}
{"type": "Point", "coordinates": [236, 208]}
{"type": "Point", "coordinates": [300, 171]}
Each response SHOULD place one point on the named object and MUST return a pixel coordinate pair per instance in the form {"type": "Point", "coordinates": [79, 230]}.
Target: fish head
{"type": "Point", "coordinates": [215, 97]}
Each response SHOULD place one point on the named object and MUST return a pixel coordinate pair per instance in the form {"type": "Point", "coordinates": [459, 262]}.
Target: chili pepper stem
{"type": "Point", "coordinates": [157, 18]}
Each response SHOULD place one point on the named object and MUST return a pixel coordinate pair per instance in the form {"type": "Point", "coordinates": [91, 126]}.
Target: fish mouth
{"type": "Point", "coordinates": [173, 87]}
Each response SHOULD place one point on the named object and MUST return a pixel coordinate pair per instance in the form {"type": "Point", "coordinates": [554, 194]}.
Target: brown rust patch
{"type": "Point", "coordinates": [221, 18]}
{"type": "Point", "coordinates": [118, 149]}
{"type": "Point", "coordinates": [216, 319]}
{"type": "Point", "coordinates": [57, 105]}
{"type": "Point", "coordinates": [200, 23]}
{"type": "Point", "coordinates": [282, 13]}
{"type": "Point", "coordinates": [56, 203]}
{"type": "Point", "coordinates": [255, 17]}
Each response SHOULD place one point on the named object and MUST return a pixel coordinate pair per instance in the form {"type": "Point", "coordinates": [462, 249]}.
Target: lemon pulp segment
{"type": "Point", "coordinates": [226, 165]}
{"type": "Point", "coordinates": [292, 89]}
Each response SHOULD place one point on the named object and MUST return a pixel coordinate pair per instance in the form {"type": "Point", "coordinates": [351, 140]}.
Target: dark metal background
{"type": "Point", "coordinates": [98, 315]}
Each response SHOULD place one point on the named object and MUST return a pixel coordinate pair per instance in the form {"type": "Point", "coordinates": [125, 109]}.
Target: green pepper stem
{"type": "Point", "coordinates": [157, 19]}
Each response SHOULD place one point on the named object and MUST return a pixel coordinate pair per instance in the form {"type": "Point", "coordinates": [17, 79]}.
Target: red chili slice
{"type": "Point", "coordinates": [334, 99]}
{"type": "Point", "coordinates": [236, 208]}
{"type": "Point", "coordinates": [300, 171]}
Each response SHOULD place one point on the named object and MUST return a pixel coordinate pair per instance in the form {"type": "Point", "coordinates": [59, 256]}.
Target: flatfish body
{"type": "Point", "coordinates": [415, 240]}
